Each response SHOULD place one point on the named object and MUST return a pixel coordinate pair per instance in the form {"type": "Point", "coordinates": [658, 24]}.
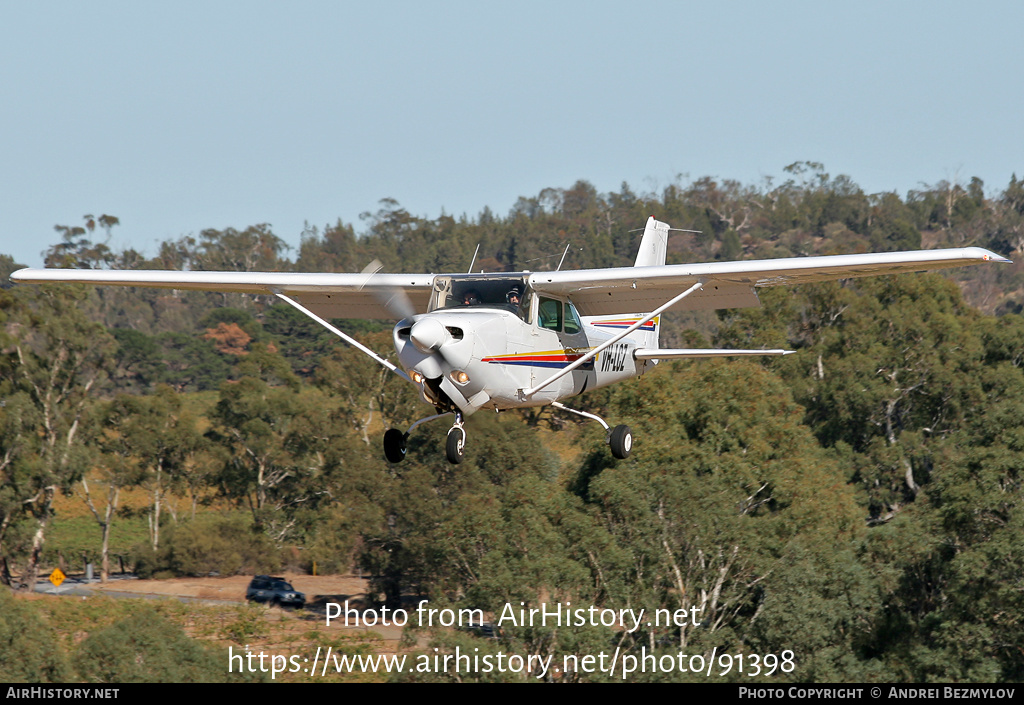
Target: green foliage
{"type": "Point", "coordinates": [302, 342]}
{"type": "Point", "coordinates": [146, 648]}
{"type": "Point", "coordinates": [725, 488]}
{"type": "Point", "coordinates": [217, 544]}
{"type": "Point", "coordinates": [7, 267]}
{"type": "Point", "coordinates": [191, 363]}
{"type": "Point", "coordinates": [29, 652]}
{"type": "Point", "coordinates": [71, 538]}
{"type": "Point", "coordinates": [139, 363]}
{"type": "Point", "coordinates": [249, 624]}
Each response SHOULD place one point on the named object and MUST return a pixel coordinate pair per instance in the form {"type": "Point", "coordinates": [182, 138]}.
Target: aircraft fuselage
{"type": "Point", "coordinates": [484, 354]}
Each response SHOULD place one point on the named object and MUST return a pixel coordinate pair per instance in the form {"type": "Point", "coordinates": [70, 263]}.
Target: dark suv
{"type": "Point", "coordinates": [276, 591]}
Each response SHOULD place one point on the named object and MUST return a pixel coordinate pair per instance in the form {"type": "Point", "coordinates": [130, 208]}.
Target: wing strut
{"type": "Point", "coordinates": [611, 341]}
{"type": "Point", "coordinates": [348, 339]}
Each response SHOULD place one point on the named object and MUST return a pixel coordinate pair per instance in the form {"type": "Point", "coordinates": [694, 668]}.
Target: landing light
{"type": "Point", "coordinates": [416, 377]}
{"type": "Point", "coordinates": [459, 377]}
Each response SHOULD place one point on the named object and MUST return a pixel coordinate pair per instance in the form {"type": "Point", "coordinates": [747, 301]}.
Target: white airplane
{"type": "Point", "coordinates": [509, 340]}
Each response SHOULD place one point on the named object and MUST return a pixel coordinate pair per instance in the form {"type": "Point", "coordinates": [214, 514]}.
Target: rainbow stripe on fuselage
{"type": "Point", "coordinates": [623, 323]}
{"type": "Point", "coordinates": [545, 358]}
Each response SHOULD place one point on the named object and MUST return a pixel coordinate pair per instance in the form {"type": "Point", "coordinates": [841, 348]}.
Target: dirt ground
{"type": "Point", "coordinates": [317, 588]}
{"type": "Point", "coordinates": [280, 632]}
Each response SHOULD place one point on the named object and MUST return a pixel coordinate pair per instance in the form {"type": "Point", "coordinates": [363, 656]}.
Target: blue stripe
{"type": "Point", "coordinates": [645, 326]}
{"type": "Point", "coordinates": [588, 365]}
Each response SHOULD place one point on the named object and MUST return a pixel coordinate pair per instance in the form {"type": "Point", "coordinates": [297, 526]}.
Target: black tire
{"type": "Point", "coordinates": [455, 446]}
{"type": "Point", "coordinates": [394, 445]}
{"type": "Point", "coordinates": [621, 441]}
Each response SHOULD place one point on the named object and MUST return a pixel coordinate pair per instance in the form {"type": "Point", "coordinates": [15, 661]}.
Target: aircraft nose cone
{"type": "Point", "coordinates": [428, 335]}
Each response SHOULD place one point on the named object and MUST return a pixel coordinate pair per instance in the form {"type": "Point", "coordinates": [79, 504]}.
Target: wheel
{"type": "Point", "coordinates": [394, 445]}
{"type": "Point", "coordinates": [456, 445]}
{"type": "Point", "coordinates": [621, 441]}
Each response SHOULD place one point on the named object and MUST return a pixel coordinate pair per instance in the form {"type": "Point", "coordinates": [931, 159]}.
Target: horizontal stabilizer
{"type": "Point", "coordinates": [671, 353]}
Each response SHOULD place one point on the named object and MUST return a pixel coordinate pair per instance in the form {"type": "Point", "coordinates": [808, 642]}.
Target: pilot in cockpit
{"type": "Point", "coordinates": [514, 296]}
{"type": "Point", "coordinates": [471, 298]}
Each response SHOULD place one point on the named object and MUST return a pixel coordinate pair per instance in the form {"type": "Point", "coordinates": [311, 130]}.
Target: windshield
{"type": "Point", "coordinates": [507, 293]}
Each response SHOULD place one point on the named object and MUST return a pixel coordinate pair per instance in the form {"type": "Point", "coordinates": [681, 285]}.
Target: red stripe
{"type": "Point", "coordinates": [530, 358]}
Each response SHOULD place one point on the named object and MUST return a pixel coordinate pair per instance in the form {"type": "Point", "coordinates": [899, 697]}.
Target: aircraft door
{"type": "Point", "coordinates": [575, 343]}
{"type": "Point", "coordinates": [559, 339]}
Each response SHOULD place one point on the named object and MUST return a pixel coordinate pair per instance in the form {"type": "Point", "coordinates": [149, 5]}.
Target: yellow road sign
{"type": "Point", "coordinates": [57, 577]}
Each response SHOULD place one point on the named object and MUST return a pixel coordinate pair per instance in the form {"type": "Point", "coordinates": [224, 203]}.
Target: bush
{"type": "Point", "coordinates": [29, 651]}
{"type": "Point", "coordinates": [222, 544]}
{"type": "Point", "coordinates": [146, 648]}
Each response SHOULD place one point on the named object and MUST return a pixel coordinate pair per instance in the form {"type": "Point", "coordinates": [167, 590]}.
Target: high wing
{"type": "Point", "coordinates": [595, 292]}
{"type": "Point", "coordinates": [600, 292]}
{"type": "Point", "coordinates": [327, 295]}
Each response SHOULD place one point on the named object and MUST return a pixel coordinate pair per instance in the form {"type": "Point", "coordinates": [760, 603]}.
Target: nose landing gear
{"type": "Point", "coordinates": [456, 444]}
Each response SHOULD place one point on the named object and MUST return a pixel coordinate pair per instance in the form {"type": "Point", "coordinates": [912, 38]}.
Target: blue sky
{"type": "Point", "coordinates": [182, 116]}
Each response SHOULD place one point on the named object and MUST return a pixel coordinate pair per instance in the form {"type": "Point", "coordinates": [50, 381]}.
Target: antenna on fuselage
{"type": "Point", "coordinates": [473, 261]}
{"type": "Point", "coordinates": [559, 267]}
{"type": "Point", "coordinates": [671, 230]}
{"type": "Point", "coordinates": [564, 253]}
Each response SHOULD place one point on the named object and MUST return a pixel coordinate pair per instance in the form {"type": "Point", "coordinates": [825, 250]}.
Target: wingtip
{"type": "Point", "coordinates": [989, 256]}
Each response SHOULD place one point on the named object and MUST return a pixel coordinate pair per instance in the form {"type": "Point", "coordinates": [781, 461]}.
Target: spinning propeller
{"type": "Point", "coordinates": [427, 334]}
{"type": "Point", "coordinates": [395, 300]}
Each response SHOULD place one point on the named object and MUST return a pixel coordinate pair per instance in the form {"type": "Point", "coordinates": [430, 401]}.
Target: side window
{"type": "Point", "coordinates": [572, 320]}
{"type": "Point", "coordinates": [549, 314]}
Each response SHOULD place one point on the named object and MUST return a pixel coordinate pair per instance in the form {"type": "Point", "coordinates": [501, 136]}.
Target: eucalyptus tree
{"type": "Point", "coordinates": [58, 358]}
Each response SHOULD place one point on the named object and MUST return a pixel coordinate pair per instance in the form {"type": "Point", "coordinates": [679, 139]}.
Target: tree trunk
{"type": "Point", "coordinates": [38, 539]}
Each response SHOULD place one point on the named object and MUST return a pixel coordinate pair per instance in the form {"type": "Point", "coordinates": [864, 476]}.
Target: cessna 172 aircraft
{"type": "Point", "coordinates": [508, 340]}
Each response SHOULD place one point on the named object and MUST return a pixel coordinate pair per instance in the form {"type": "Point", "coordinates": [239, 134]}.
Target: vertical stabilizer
{"type": "Point", "coordinates": [653, 245]}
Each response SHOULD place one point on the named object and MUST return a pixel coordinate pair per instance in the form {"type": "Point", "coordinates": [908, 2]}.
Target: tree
{"type": "Point", "coordinates": [118, 470]}
{"type": "Point", "coordinates": [725, 487]}
{"type": "Point", "coordinates": [154, 442]}
{"type": "Point", "coordinates": [60, 358]}
{"type": "Point", "coordinates": [77, 249]}
{"type": "Point", "coordinates": [281, 446]}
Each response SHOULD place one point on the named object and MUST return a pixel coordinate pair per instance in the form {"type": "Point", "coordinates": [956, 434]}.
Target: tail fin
{"type": "Point", "coordinates": [653, 248]}
{"type": "Point", "coordinates": [654, 244]}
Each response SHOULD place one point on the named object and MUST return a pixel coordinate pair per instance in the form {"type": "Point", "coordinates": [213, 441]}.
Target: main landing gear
{"type": "Point", "coordinates": [455, 447]}
{"type": "Point", "coordinates": [621, 441]}
{"type": "Point", "coordinates": [620, 438]}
